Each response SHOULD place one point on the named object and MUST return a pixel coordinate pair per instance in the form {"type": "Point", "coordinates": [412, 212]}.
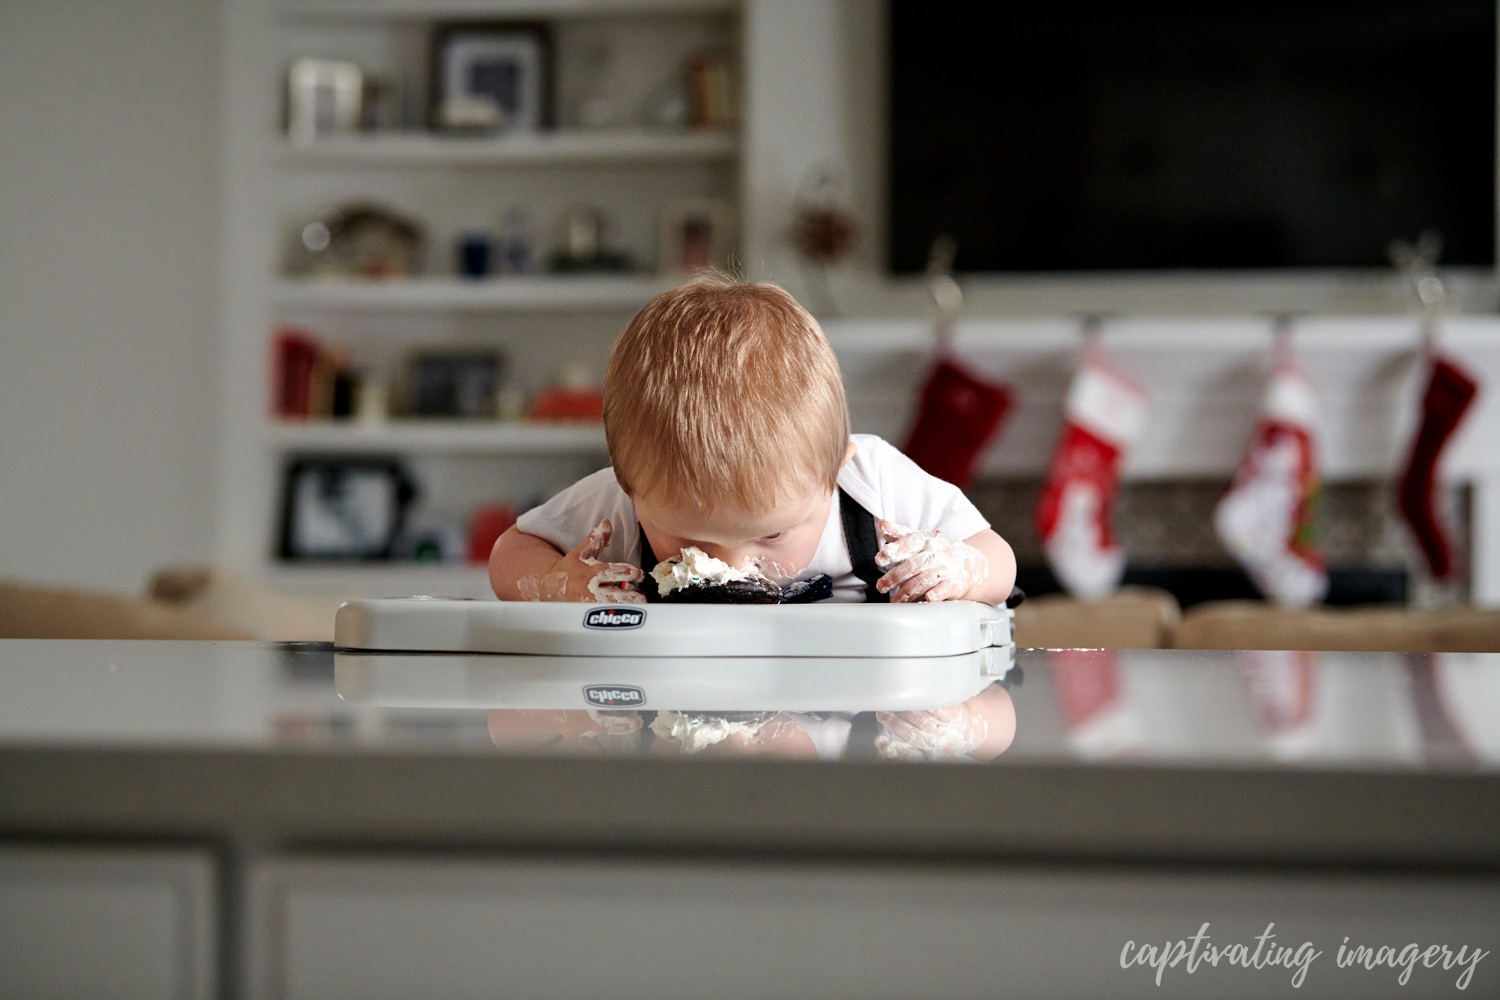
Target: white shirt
{"type": "Point", "coordinates": [879, 477]}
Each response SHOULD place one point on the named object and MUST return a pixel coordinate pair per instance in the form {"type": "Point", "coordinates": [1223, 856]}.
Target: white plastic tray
{"type": "Point", "coordinates": [424, 624]}
{"type": "Point", "coordinates": [720, 684]}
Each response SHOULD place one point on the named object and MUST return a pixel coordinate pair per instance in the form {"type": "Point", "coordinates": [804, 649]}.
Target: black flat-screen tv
{"type": "Point", "coordinates": [1085, 135]}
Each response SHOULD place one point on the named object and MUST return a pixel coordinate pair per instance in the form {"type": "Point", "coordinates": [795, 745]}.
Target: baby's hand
{"type": "Point", "coordinates": [580, 576]}
{"type": "Point", "coordinates": [925, 566]}
{"type": "Point", "coordinates": [940, 734]}
{"type": "Point", "coordinates": [566, 730]}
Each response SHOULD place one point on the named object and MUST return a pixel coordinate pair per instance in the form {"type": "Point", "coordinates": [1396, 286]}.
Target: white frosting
{"type": "Point", "coordinates": [693, 732]}
{"type": "Point", "coordinates": [938, 739]}
{"type": "Point", "coordinates": [692, 566]}
{"type": "Point", "coordinates": [892, 550]}
{"type": "Point", "coordinates": [615, 722]}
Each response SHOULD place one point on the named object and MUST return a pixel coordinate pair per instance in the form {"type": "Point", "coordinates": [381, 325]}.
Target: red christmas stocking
{"type": "Point", "coordinates": [1449, 394]}
{"type": "Point", "coordinates": [1099, 719]}
{"type": "Point", "coordinates": [957, 414]}
{"type": "Point", "coordinates": [1268, 519]}
{"type": "Point", "coordinates": [1103, 416]}
{"type": "Point", "coordinates": [1282, 686]}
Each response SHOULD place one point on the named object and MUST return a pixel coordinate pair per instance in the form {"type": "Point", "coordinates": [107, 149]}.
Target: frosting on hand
{"type": "Point", "coordinates": [925, 566]}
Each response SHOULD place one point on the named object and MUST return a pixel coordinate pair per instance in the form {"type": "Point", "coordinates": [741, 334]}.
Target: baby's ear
{"type": "Point", "coordinates": [848, 454]}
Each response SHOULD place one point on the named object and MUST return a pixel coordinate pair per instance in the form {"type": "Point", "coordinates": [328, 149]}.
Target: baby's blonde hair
{"type": "Point", "coordinates": [724, 393]}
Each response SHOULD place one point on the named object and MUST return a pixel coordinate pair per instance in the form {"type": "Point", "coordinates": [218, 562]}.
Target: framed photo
{"type": "Point", "coordinates": [695, 234]}
{"type": "Point", "coordinates": [491, 77]}
{"type": "Point", "coordinates": [324, 97]}
{"type": "Point", "coordinates": [344, 508]}
{"type": "Point", "coordinates": [460, 384]}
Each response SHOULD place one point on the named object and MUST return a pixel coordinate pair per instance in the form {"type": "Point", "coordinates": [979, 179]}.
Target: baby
{"type": "Point", "coordinates": [728, 432]}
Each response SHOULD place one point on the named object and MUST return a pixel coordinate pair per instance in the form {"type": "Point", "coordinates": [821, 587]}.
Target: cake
{"type": "Point", "coordinates": [695, 577]}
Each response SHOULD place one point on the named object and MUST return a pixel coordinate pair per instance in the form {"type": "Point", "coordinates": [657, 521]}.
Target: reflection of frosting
{"type": "Point", "coordinates": [694, 566]}
{"type": "Point", "coordinates": [940, 734]}
{"type": "Point", "coordinates": [615, 722]}
{"type": "Point", "coordinates": [695, 731]}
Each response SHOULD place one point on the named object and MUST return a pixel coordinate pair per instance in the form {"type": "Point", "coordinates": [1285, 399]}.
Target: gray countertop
{"type": "Point", "coordinates": [1171, 756]}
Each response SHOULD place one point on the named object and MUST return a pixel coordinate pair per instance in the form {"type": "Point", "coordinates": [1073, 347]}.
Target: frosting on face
{"type": "Point", "coordinates": [694, 566]}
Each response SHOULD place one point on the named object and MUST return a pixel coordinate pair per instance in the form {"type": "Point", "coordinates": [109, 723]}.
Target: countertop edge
{"type": "Point", "coordinates": [1037, 811]}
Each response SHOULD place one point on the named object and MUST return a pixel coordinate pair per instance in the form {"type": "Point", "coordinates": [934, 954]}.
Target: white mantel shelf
{"type": "Point", "coordinates": [579, 146]}
{"type": "Point", "coordinates": [445, 294]}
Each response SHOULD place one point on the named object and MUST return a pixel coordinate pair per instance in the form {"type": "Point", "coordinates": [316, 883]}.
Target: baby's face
{"type": "Point", "coordinates": [779, 543]}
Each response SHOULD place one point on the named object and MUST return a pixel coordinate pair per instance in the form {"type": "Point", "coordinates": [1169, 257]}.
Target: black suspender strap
{"type": "Point", "coordinates": [863, 542]}
{"type": "Point", "coordinates": [648, 563]}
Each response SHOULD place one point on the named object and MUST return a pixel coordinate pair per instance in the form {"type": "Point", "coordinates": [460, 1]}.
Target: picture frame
{"type": "Point", "coordinates": [491, 77]}
{"type": "Point", "coordinates": [325, 97]}
{"type": "Point", "coordinates": [344, 508]}
{"type": "Point", "coordinates": [459, 383]}
{"type": "Point", "coordinates": [696, 234]}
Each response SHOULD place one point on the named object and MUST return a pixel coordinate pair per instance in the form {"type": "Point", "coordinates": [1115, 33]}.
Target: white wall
{"type": "Point", "coordinates": [109, 131]}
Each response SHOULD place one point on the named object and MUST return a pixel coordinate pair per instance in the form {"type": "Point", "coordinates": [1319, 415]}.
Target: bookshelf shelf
{"type": "Point", "coordinates": [437, 437]}
{"type": "Point", "coordinates": [384, 579]}
{"type": "Point", "coordinates": [508, 9]}
{"type": "Point", "coordinates": [439, 294]}
{"type": "Point", "coordinates": [568, 146]}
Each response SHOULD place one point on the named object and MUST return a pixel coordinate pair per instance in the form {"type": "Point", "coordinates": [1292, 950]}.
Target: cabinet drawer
{"type": "Point", "coordinates": [554, 928]}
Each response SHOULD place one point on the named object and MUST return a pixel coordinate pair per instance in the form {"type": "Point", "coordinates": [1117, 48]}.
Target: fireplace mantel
{"type": "Point", "coordinates": [1206, 377]}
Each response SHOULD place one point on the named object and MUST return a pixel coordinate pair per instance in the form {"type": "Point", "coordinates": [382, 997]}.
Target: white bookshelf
{"type": "Point", "coordinates": [541, 322]}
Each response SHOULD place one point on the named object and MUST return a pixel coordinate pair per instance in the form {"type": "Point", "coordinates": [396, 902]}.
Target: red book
{"type": "Point", "coordinates": [585, 405]}
{"type": "Point", "coordinates": [487, 524]}
{"type": "Point", "coordinates": [294, 359]}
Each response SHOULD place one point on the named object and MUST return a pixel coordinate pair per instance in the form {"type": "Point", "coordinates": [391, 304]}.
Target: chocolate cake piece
{"type": "Point", "coordinates": [752, 590]}
{"type": "Point", "coordinates": [819, 588]}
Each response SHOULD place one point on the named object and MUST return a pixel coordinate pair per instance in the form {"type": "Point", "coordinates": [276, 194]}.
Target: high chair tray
{"type": "Point", "coordinates": [716, 684]}
{"type": "Point", "coordinates": [454, 625]}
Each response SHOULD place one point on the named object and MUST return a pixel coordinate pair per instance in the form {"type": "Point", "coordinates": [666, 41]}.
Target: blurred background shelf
{"type": "Point", "coordinates": [438, 437]}
{"type": "Point", "coordinates": [555, 9]}
{"type": "Point", "coordinates": [640, 127]}
{"type": "Point", "coordinates": [541, 293]}
{"type": "Point", "coordinates": [581, 146]}
{"type": "Point", "coordinates": [384, 579]}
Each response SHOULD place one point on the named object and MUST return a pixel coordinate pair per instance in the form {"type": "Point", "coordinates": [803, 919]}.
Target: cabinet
{"type": "Point", "coordinates": [614, 67]}
{"type": "Point", "coordinates": [122, 922]}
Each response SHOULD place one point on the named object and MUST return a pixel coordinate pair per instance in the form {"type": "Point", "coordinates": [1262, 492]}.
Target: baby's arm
{"type": "Point", "coordinates": [996, 588]}
{"type": "Point", "coordinates": [982, 728]}
{"type": "Point", "coordinates": [524, 567]}
{"type": "Point", "coordinates": [925, 566]}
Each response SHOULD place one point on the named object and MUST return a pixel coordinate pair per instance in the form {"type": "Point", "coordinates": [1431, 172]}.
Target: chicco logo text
{"type": "Point", "coordinates": [619, 696]}
{"type": "Point", "coordinates": [614, 618]}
